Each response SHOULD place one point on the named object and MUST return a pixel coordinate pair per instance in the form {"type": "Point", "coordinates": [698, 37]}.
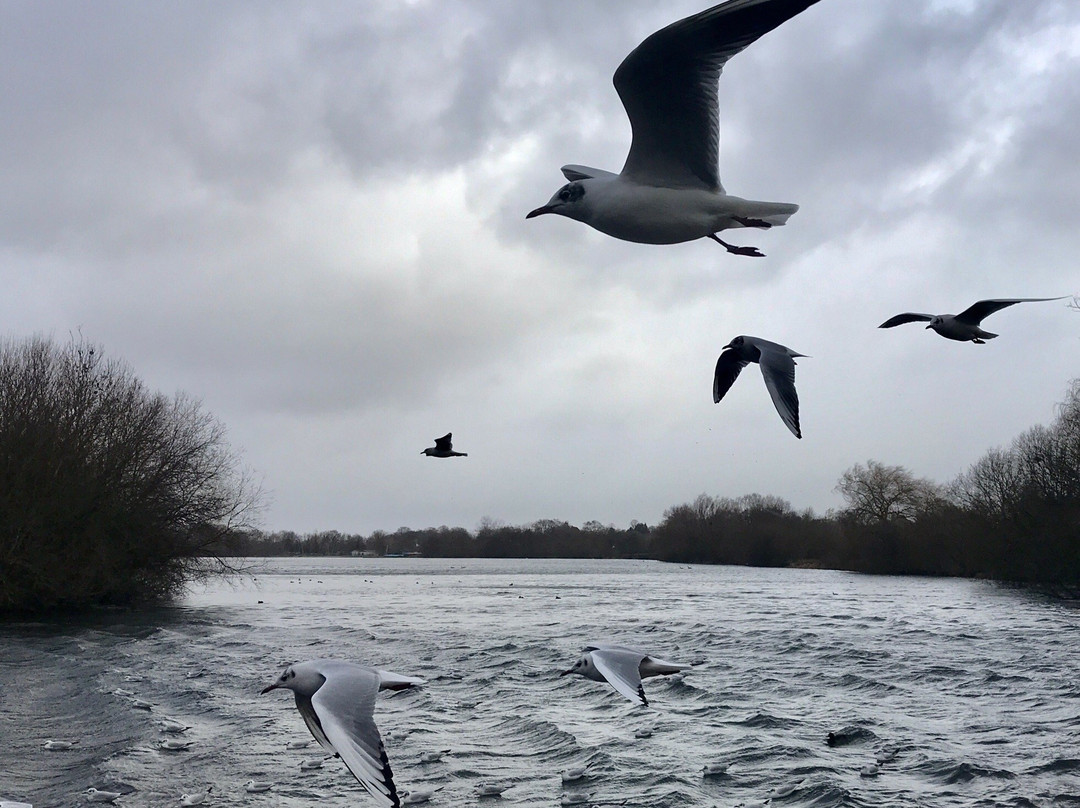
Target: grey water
{"type": "Point", "coordinates": [970, 687]}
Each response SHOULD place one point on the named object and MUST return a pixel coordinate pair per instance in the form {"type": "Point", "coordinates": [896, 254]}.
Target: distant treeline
{"type": "Point", "coordinates": [1013, 515]}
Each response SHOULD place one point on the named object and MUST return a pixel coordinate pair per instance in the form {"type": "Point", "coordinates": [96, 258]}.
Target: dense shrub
{"type": "Point", "coordinates": [109, 493]}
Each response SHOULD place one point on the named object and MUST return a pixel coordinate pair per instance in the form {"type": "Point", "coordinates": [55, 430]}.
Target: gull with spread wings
{"type": "Point", "coordinates": [622, 668]}
{"type": "Point", "coordinates": [669, 189]}
{"type": "Point", "coordinates": [777, 364]}
{"type": "Point", "coordinates": [337, 702]}
{"type": "Point", "coordinates": [963, 327]}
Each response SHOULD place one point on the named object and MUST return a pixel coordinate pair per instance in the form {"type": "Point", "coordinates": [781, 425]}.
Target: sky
{"type": "Point", "coordinates": [310, 216]}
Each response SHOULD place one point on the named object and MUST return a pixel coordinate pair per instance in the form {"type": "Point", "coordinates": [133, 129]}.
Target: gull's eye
{"type": "Point", "coordinates": [571, 192]}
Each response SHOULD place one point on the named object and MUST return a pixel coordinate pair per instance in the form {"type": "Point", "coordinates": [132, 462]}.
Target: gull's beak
{"type": "Point", "coordinates": [928, 327]}
{"type": "Point", "coordinates": [566, 672]}
{"type": "Point", "coordinates": [540, 210]}
{"type": "Point", "coordinates": [268, 688]}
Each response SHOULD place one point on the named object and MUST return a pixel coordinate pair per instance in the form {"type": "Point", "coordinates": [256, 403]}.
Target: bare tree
{"type": "Point", "coordinates": [109, 493]}
{"type": "Point", "coordinates": [879, 493]}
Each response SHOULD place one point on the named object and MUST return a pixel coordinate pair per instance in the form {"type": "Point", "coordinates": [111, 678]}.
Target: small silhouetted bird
{"type": "Point", "coordinates": [443, 448]}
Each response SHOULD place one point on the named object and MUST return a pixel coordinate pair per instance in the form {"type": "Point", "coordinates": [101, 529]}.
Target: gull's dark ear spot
{"type": "Point", "coordinates": [571, 192]}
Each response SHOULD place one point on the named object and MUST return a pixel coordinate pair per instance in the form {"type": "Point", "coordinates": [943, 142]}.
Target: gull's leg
{"type": "Point", "coordinates": [731, 248]}
{"type": "Point", "coordinates": [746, 222]}
{"type": "Point", "coordinates": [978, 341]}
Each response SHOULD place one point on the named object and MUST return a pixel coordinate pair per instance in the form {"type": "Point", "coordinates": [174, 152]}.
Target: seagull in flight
{"type": "Point", "coordinates": [443, 448]}
{"type": "Point", "coordinates": [963, 327]}
{"type": "Point", "coordinates": [777, 366]}
{"type": "Point", "coordinates": [622, 668]}
{"type": "Point", "coordinates": [337, 702]}
{"type": "Point", "coordinates": [669, 189]}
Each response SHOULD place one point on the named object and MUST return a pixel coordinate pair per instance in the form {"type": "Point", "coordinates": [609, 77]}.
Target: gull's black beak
{"type": "Point", "coordinates": [540, 210]}
{"type": "Point", "coordinates": [268, 688]}
{"type": "Point", "coordinates": [929, 326]}
{"type": "Point", "coordinates": [566, 672]}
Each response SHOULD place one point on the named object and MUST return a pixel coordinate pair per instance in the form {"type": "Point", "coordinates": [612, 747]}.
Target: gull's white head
{"type": "Point", "coordinates": [300, 678]}
{"type": "Point", "coordinates": [570, 200]}
{"type": "Point", "coordinates": [584, 667]}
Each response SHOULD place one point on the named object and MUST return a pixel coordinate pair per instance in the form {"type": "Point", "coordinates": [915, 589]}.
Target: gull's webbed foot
{"type": "Point", "coordinates": [746, 222]}
{"type": "Point", "coordinates": [753, 252]}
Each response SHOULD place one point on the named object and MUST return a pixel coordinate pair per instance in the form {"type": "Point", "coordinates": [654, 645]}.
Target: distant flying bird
{"type": "Point", "coordinates": [443, 448]}
{"type": "Point", "coordinates": [963, 327]}
{"type": "Point", "coordinates": [669, 189]}
{"type": "Point", "coordinates": [622, 668]}
{"type": "Point", "coordinates": [777, 366]}
{"type": "Point", "coordinates": [337, 702]}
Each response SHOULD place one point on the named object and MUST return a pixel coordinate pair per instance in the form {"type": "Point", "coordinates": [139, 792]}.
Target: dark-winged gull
{"type": "Point", "coordinates": [443, 448]}
{"type": "Point", "coordinates": [337, 702]}
{"type": "Point", "coordinates": [777, 364]}
{"type": "Point", "coordinates": [669, 189]}
{"type": "Point", "coordinates": [963, 327]}
{"type": "Point", "coordinates": [622, 668]}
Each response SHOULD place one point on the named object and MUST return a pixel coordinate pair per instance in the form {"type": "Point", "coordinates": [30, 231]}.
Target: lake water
{"type": "Point", "coordinates": [975, 687]}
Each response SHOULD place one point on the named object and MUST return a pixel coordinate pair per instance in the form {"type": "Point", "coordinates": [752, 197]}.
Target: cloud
{"type": "Point", "coordinates": [313, 219]}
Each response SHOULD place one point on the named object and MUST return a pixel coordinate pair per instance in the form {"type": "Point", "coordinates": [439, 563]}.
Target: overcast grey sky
{"type": "Point", "coordinates": [311, 216]}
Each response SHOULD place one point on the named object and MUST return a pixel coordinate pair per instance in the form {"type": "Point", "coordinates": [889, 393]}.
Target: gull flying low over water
{"type": "Point", "coordinates": [337, 702]}
{"type": "Point", "coordinates": [777, 364]}
{"type": "Point", "coordinates": [669, 189]}
{"type": "Point", "coordinates": [443, 448]}
{"type": "Point", "coordinates": [622, 668]}
{"type": "Point", "coordinates": [963, 327]}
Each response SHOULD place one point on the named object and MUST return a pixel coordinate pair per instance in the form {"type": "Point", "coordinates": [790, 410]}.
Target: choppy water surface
{"type": "Point", "coordinates": [975, 688]}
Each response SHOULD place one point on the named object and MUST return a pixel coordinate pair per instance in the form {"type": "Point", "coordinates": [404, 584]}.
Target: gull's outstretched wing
{"type": "Point", "coordinates": [621, 668]}
{"type": "Point", "coordinates": [443, 444]}
{"type": "Point", "coordinates": [974, 314]}
{"type": "Point", "coordinates": [778, 368]}
{"type": "Point", "coordinates": [907, 317]}
{"type": "Point", "coordinates": [728, 368]}
{"type": "Point", "coordinates": [345, 706]}
{"type": "Point", "coordinates": [668, 85]}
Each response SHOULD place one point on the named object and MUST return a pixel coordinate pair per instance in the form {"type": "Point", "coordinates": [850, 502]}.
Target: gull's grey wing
{"type": "Point", "coordinates": [907, 317]}
{"type": "Point", "coordinates": [575, 172]}
{"type": "Point", "coordinates": [307, 712]}
{"type": "Point", "coordinates": [728, 368]}
{"type": "Point", "coordinates": [974, 314]}
{"type": "Point", "coordinates": [668, 85]}
{"type": "Point", "coordinates": [620, 666]}
{"type": "Point", "coordinates": [345, 706]}
{"type": "Point", "coordinates": [443, 443]}
{"type": "Point", "coordinates": [778, 368]}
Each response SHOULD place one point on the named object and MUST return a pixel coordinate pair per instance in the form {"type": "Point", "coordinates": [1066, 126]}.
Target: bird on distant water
{"type": "Point", "coordinates": [337, 702]}
{"type": "Point", "coordinates": [963, 327]}
{"type": "Point", "coordinates": [669, 189]}
{"type": "Point", "coordinates": [622, 668]}
{"type": "Point", "coordinates": [777, 364]}
{"type": "Point", "coordinates": [443, 448]}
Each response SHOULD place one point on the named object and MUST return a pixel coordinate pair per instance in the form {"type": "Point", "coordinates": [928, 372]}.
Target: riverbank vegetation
{"type": "Point", "coordinates": [1013, 515]}
{"type": "Point", "coordinates": [109, 493]}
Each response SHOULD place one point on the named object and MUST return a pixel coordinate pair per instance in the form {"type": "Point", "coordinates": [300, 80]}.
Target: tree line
{"type": "Point", "coordinates": [1013, 515]}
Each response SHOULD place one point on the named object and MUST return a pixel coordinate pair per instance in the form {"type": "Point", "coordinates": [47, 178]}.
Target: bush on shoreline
{"type": "Point", "coordinates": [109, 493]}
